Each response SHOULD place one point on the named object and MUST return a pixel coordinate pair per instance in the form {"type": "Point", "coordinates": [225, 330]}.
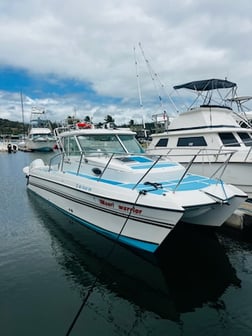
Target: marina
{"type": "Point", "coordinates": [200, 283]}
{"type": "Point", "coordinates": [125, 168]}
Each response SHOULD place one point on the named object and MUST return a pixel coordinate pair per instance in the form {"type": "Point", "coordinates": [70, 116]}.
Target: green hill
{"type": "Point", "coordinates": [12, 128]}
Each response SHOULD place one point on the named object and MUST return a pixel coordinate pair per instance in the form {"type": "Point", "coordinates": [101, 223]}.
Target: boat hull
{"type": "Point", "coordinates": [41, 146]}
{"type": "Point", "coordinates": [132, 224]}
{"type": "Point", "coordinates": [213, 215]}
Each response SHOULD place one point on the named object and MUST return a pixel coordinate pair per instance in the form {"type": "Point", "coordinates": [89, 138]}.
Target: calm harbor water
{"type": "Point", "coordinates": [199, 284]}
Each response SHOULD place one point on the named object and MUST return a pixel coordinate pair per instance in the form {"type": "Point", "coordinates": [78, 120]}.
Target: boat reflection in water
{"type": "Point", "coordinates": [190, 269]}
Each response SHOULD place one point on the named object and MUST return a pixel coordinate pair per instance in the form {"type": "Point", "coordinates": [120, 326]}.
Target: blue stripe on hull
{"type": "Point", "coordinates": [149, 247]}
{"type": "Point", "coordinates": [142, 245]}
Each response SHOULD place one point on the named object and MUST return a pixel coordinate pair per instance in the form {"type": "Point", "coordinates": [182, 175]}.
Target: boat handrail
{"type": "Point", "coordinates": [202, 152]}
{"type": "Point", "coordinates": [57, 131]}
{"type": "Point", "coordinates": [185, 172]}
{"type": "Point", "coordinates": [147, 172]}
{"type": "Point", "coordinates": [79, 165]}
{"type": "Point", "coordinates": [157, 158]}
{"type": "Point", "coordinates": [223, 166]}
{"type": "Point", "coordinates": [216, 153]}
{"type": "Point", "coordinates": [223, 148]}
{"type": "Point", "coordinates": [106, 166]}
{"type": "Point", "coordinates": [250, 150]}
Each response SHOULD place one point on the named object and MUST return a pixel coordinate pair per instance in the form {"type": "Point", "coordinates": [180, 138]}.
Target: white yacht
{"type": "Point", "coordinates": [209, 131]}
{"type": "Point", "coordinates": [40, 134]}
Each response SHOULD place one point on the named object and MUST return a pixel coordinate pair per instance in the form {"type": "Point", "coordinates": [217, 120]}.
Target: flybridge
{"type": "Point", "coordinates": [209, 92]}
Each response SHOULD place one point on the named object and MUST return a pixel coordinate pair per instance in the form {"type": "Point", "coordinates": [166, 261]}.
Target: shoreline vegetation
{"type": "Point", "coordinates": [15, 130]}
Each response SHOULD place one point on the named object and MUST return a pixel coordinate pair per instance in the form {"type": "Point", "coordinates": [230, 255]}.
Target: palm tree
{"type": "Point", "coordinates": [87, 119]}
{"type": "Point", "coordinates": [109, 119]}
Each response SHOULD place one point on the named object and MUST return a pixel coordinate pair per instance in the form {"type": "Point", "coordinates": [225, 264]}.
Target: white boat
{"type": "Point", "coordinates": [9, 147]}
{"type": "Point", "coordinates": [40, 134]}
{"type": "Point", "coordinates": [209, 131]}
{"type": "Point", "coordinates": [103, 178]}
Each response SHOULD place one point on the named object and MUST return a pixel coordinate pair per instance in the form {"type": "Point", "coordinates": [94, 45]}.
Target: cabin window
{"type": "Point", "coordinates": [247, 140]}
{"type": "Point", "coordinates": [103, 143]}
{"type": "Point", "coordinates": [191, 141]}
{"type": "Point", "coordinates": [228, 139]}
{"type": "Point", "coordinates": [162, 142]}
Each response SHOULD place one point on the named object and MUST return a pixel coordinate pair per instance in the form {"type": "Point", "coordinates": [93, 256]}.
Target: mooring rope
{"type": "Point", "coordinates": [101, 270]}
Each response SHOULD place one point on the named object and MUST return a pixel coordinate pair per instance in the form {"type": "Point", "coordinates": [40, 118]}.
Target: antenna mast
{"type": "Point", "coordinates": [154, 76]}
{"type": "Point", "coordinates": [22, 108]}
{"type": "Point", "coordinates": [139, 92]}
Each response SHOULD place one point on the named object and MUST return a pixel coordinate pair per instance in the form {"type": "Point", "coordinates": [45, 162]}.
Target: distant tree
{"type": "Point", "coordinates": [99, 125]}
{"type": "Point", "coordinates": [87, 119]}
{"type": "Point", "coordinates": [8, 127]}
{"type": "Point", "coordinates": [131, 123]}
{"type": "Point", "coordinates": [109, 119]}
{"type": "Point", "coordinates": [54, 124]}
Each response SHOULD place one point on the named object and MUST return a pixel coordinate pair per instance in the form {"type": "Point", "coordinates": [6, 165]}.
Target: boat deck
{"type": "Point", "coordinates": [190, 182]}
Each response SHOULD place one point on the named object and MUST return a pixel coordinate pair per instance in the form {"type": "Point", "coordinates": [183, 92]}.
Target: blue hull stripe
{"type": "Point", "coordinates": [143, 245]}
{"type": "Point", "coordinates": [150, 247]}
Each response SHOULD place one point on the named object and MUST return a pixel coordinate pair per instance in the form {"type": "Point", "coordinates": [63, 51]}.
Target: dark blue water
{"type": "Point", "coordinates": [200, 283]}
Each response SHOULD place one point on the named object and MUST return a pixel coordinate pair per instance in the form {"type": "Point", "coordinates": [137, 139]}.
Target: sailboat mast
{"type": "Point", "coordinates": [22, 108]}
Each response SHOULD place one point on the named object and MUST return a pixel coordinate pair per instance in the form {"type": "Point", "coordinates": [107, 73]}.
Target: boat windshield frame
{"type": "Point", "coordinates": [91, 144]}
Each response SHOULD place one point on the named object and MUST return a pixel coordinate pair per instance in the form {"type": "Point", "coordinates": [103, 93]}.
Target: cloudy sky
{"type": "Point", "coordinates": [83, 57]}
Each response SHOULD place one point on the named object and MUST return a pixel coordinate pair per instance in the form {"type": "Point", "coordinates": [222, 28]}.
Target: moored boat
{"type": "Point", "coordinates": [209, 131]}
{"type": "Point", "coordinates": [9, 147]}
{"type": "Point", "coordinates": [104, 179]}
{"type": "Point", "coordinates": [40, 134]}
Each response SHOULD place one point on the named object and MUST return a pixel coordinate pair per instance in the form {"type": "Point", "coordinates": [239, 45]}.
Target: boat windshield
{"type": "Point", "coordinates": [40, 135]}
{"type": "Point", "coordinates": [109, 143]}
{"type": "Point", "coordinates": [39, 123]}
{"type": "Point", "coordinates": [131, 144]}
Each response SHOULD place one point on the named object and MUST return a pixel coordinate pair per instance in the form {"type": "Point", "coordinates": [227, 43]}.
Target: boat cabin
{"type": "Point", "coordinates": [209, 125]}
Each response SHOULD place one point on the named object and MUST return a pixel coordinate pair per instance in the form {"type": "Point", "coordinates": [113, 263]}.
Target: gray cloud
{"type": "Point", "coordinates": [93, 41]}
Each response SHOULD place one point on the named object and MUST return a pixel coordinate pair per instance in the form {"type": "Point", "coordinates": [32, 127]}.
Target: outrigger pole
{"type": "Point", "coordinates": [154, 76]}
